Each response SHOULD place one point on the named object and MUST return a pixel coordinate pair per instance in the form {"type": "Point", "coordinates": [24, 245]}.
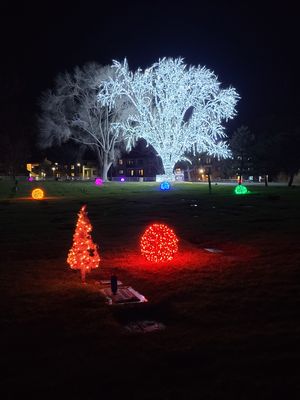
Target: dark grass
{"type": "Point", "coordinates": [232, 319]}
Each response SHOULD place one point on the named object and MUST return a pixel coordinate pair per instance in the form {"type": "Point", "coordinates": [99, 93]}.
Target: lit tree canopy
{"type": "Point", "coordinates": [71, 112]}
{"type": "Point", "coordinates": [174, 108]}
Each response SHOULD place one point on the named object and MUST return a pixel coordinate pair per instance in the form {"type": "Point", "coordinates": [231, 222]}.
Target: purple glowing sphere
{"type": "Point", "coordinates": [122, 179]}
{"type": "Point", "coordinates": [30, 179]}
{"type": "Point", "coordinates": [98, 181]}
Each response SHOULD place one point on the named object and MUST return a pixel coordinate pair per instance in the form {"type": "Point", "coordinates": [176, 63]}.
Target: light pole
{"type": "Point", "coordinates": [201, 171]}
{"type": "Point", "coordinates": [78, 165]}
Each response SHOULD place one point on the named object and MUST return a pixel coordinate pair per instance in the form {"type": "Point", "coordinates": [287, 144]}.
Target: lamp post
{"type": "Point", "coordinates": [208, 173]}
{"type": "Point", "coordinates": [78, 172]}
{"type": "Point", "coordinates": [201, 171]}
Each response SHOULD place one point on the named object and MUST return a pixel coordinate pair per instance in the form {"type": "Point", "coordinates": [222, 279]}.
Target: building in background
{"type": "Point", "coordinates": [46, 169]}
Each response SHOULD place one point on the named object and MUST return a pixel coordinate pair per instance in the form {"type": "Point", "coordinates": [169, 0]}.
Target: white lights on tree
{"type": "Point", "coordinates": [174, 108]}
{"type": "Point", "coordinates": [71, 112]}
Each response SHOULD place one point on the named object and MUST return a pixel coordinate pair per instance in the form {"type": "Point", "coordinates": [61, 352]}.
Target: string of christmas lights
{"type": "Point", "coordinates": [175, 108]}
{"type": "Point", "coordinates": [159, 243]}
{"type": "Point", "coordinates": [37, 194]}
{"type": "Point", "coordinates": [84, 253]}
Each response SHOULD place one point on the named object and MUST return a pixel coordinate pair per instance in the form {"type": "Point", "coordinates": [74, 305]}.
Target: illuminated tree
{"type": "Point", "coordinates": [71, 112]}
{"type": "Point", "coordinates": [84, 253]}
{"type": "Point", "coordinates": [174, 108]}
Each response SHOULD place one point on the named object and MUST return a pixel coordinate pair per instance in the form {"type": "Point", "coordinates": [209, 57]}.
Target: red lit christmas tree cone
{"type": "Point", "coordinates": [84, 253]}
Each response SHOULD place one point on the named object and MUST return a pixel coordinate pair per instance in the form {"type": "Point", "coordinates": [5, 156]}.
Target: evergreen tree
{"type": "Point", "coordinates": [84, 253]}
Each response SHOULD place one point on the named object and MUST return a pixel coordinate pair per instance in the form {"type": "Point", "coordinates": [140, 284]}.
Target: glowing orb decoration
{"type": "Point", "coordinates": [159, 243]}
{"type": "Point", "coordinates": [122, 179]}
{"type": "Point", "coordinates": [30, 178]}
{"type": "Point", "coordinates": [165, 186]}
{"type": "Point", "coordinates": [98, 181]}
{"type": "Point", "coordinates": [240, 189]}
{"type": "Point", "coordinates": [37, 194]}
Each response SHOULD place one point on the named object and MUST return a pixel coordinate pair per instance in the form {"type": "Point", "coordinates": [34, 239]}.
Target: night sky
{"type": "Point", "coordinates": [251, 47]}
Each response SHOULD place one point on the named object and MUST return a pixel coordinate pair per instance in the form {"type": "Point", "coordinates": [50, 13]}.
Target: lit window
{"type": "Point", "coordinates": [120, 162]}
{"type": "Point", "coordinates": [141, 172]}
{"type": "Point", "coordinates": [132, 172]}
{"type": "Point", "coordinates": [121, 171]}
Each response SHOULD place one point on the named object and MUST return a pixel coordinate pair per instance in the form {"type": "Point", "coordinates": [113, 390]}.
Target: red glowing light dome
{"type": "Point", "coordinates": [159, 243]}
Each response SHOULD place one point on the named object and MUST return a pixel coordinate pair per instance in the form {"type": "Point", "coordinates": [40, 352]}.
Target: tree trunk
{"type": "Point", "coordinates": [291, 180]}
{"type": "Point", "coordinates": [168, 168]}
{"type": "Point", "coordinates": [209, 182]}
{"type": "Point", "coordinates": [103, 164]}
{"type": "Point", "coordinates": [99, 158]}
{"type": "Point", "coordinates": [106, 165]}
{"type": "Point", "coordinates": [189, 174]}
{"type": "Point", "coordinates": [266, 180]}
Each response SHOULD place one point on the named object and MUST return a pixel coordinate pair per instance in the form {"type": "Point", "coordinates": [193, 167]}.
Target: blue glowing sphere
{"type": "Point", "coordinates": [165, 186]}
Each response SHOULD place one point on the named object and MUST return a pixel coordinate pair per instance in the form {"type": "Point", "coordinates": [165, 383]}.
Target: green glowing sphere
{"type": "Point", "coordinates": [240, 189]}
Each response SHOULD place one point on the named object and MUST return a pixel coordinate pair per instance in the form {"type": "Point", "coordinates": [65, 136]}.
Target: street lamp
{"type": "Point", "coordinates": [201, 172]}
{"type": "Point", "coordinates": [78, 172]}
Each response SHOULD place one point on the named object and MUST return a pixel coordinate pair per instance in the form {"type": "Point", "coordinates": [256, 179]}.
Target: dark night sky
{"type": "Point", "coordinates": [252, 47]}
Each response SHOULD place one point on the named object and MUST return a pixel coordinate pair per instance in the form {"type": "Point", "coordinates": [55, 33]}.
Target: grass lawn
{"type": "Point", "coordinates": [232, 318]}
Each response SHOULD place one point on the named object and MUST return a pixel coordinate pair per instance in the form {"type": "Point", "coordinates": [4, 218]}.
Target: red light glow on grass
{"type": "Point", "coordinates": [189, 258]}
{"type": "Point", "coordinates": [159, 243]}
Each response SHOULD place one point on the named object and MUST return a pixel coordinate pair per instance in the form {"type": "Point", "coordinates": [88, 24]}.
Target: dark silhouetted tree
{"type": "Point", "coordinates": [242, 144]}
{"type": "Point", "coordinates": [15, 127]}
